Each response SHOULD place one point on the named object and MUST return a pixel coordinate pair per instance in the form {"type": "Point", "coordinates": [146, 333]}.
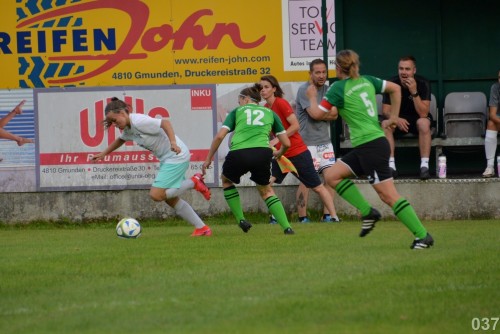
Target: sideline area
{"type": "Point", "coordinates": [436, 199]}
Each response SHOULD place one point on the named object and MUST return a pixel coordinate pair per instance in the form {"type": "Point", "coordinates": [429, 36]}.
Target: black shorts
{"type": "Point", "coordinates": [255, 160]}
{"type": "Point", "coordinates": [370, 160]}
{"type": "Point", "coordinates": [304, 164]}
{"type": "Point", "coordinates": [412, 127]}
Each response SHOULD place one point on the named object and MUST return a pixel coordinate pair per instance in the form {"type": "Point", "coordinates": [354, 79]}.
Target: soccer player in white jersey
{"type": "Point", "coordinates": [158, 136]}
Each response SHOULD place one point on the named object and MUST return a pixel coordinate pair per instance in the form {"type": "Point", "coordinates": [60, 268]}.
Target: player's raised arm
{"type": "Point", "coordinates": [315, 111]}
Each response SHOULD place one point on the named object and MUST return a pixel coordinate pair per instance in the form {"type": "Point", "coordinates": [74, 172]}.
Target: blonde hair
{"type": "Point", "coordinates": [348, 62]}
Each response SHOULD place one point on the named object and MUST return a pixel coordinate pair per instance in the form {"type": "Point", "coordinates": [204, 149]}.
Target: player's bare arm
{"type": "Point", "coordinates": [219, 137]}
{"type": "Point", "coordinates": [285, 144]}
{"type": "Point", "coordinates": [113, 146]}
{"type": "Point", "coordinates": [169, 130]}
{"type": "Point", "coordinates": [314, 110]}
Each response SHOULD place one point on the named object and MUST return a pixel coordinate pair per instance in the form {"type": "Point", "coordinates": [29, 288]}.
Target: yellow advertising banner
{"type": "Point", "coordinates": [63, 43]}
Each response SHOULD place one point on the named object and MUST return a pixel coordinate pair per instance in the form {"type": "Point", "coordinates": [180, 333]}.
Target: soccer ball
{"type": "Point", "coordinates": [128, 228]}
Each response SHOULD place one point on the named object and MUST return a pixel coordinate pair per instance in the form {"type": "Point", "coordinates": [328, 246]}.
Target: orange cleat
{"type": "Point", "coordinates": [200, 186]}
{"type": "Point", "coordinates": [199, 232]}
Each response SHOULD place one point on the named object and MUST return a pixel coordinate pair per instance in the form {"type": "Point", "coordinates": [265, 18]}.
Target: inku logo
{"type": "Point", "coordinates": [48, 46]}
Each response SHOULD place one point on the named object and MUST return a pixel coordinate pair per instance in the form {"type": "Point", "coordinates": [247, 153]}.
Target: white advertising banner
{"type": "Point", "coordinates": [70, 131]}
{"type": "Point", "coordinates": [302, 28]}
{"type": "Point", "coordinates": [17, 163]}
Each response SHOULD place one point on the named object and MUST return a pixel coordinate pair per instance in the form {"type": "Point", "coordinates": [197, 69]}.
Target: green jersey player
{"type": "Point", "coordinates": [353, 97]}
{"type": "Point", "coordinates": [250, 152]}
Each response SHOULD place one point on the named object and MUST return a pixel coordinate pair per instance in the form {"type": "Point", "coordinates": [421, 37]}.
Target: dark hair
{"type": "Point", "coordinates": [274, 83]}
{"type": "Point", "coordinates": [348, 62]}
{"type": "Point", "coordinates": [115, 106]}
{"type": "Point", "coordinates": [253, 92]}
{"type": "Point", "coordinates": [409, 57]}
{"type": "Point", "coordinates": [316, 61]}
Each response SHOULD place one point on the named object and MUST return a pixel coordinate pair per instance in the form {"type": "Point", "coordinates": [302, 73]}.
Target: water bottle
{"type": "Point", "coordinates": [442, 167]}
{"type": "Point", "coordinates": [498, 166]}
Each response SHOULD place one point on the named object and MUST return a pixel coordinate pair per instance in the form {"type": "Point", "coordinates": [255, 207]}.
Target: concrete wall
{"type": "Point", "coordinates": [432, 199]}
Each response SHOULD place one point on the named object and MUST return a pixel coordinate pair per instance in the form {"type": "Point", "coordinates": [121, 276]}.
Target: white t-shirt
{"type": "Point", "coordinates": [146, 132]}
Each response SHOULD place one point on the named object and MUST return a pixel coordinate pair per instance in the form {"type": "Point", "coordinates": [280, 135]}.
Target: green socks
{"type": "Point", "coordinates": [277, 210]}
{"type": "Point", "coordinates": [233, 200]}
{"type": "Point", "coordinates": [405, 212]}
{"type": "Point", "coordinates": [273, 203]}
{"type": "Point", "coordinates": [348, 191]}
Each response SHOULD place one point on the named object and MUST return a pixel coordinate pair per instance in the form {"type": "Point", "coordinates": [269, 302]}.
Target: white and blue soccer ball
{"type": "Point", "coordinates": [128, 228]}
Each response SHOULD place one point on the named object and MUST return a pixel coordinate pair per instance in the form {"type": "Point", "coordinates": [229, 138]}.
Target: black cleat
{"type": "Point", "coordinates": [424, 243]}
{"type": "Point", "coordinates": [289, 231]}
{"type": "Point", "coordinates": [424, 173]}
{"type": "Point", "coordinates": [369, 222]}
{"type": "Point", "coordinates": [245, 226]}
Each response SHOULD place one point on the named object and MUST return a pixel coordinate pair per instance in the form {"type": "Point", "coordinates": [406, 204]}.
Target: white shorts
{"type": "Point", "coordinates": [323, 156]}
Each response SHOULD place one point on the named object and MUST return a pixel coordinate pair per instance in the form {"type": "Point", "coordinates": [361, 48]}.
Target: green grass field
{"type": "Point", "coordinates": [324, 279]}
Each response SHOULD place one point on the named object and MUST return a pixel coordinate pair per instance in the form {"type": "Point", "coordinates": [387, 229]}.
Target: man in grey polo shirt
{"type": "Point", "coordinates": [316, 135]}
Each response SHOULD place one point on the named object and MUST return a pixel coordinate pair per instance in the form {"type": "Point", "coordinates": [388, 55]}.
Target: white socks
{"type": "Point", "coordinates": [392, 163]}
{"type": "Point", "coordinates": [176, 192]}
{"type": "Point", "coordinates": [424, 162]}
{"type": "Point", "coordinates": [186, 212]}
{"type": "Point", "coordinates": [490, 146]}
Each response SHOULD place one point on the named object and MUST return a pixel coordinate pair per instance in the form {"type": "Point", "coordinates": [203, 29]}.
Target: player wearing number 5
{"type": "Point", "coordinates": [250, 152]}
{"type": "Point", "coordinates": [353, 97]}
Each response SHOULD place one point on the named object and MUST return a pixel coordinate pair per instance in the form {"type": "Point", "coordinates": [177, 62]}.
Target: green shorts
{"type": "Point", "coordinates": [171, 175]}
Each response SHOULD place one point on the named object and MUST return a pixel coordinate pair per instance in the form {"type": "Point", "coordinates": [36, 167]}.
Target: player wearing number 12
{"type": "Point", "coordinates": [353, 97]}
{"type": "Point", "coordinates": [250, 152]}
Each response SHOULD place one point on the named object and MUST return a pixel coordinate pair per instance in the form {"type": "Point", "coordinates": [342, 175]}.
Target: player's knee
{"type": "Point", "coordinates": [492, 126]}
{"type": "Point", "coordinates": [319, 189]}
{"type": "Point", "coordinates": [226, 183]}
{"type": "Point", "coordinates": [389, 197]}
{"type": "Point", "coordinates": [157, 196]}
{"type": "Point", "coordinates": [265, 191]}
{"type": "Point", "coordinates": [423, 125]}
